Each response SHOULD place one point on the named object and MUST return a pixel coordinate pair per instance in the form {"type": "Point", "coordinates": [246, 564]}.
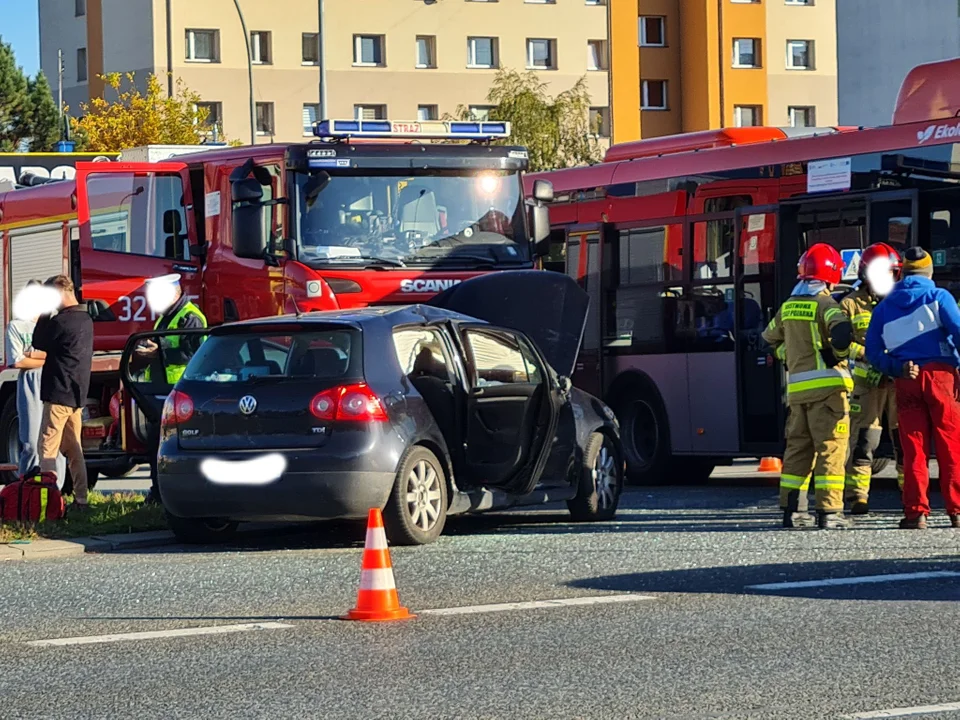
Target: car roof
{"type": "Point", "coordinates": [356, 317]}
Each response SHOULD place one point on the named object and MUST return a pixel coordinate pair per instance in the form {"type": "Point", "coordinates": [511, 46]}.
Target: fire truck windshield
{"type": "Point", "coordinates": [450, 218]}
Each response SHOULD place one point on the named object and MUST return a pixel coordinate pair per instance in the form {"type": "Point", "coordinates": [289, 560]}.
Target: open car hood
{"type": "Point", "coordinates": [549, 308]}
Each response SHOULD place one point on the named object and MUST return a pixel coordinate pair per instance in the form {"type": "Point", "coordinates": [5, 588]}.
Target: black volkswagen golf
{"type": "Point", "coordinates": [425, 411]}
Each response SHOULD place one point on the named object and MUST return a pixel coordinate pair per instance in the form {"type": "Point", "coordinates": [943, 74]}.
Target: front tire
{"type": "Point", "coordinates": [601, 482]}
{"type": "Point", "coordinates": [417, 509]}
{"type": "Point", "coordinates": [204, 531]}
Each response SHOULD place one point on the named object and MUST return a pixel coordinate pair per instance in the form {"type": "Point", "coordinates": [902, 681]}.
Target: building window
{"type": "Point", "coordinates": [311, 114]}
{"type": "Point", "coordinates": [203, 45]}
{"type": "Point", "coordinates": [81, 64]}
{"type": "Point", "coordinates": [798, 2]}
{"type": "Point", "coordinates": [596, 2]}
{"type": "Point", "coordinates": [80, 8]}
{"type": "Point", "coordinates": [541, 2]}
{"type": "Point", "coordinates": [746, 53]}
{"type": "Point", "coordinates": [265, 118]}
{"type": "Point", "coordinates": [745, 2]}
{"type": "Point", "coordinates": [370, 112]}
{"type": "Point", "coordinates": [426, 51]}
{"type": "Point", "coordinates": [480, 113]}
{"type": "Point", "coordinates": [654, 94]}
{"type": "Point", "coordinates": [596, 54]}
{"type": "Point", "coordinates": [802, 116]}
{"type": "Point", "coordinates": [427, 112]}
{"type": "Point", "coordinates": [541, 54]}
{"type": "Point", "coordinates": [482, 52]}
{"type": "Point", "coordinates": [368, 50]}
{"type": "Point", "coordinates": [747, 115]}
{"type": "Point", "coordinates": [213, 122]}
{"type": "Point", "coordinates": [260, 47]}
{"type": "Point", "coordinates": [800, 54]}
{"type": "Point", "coordinates": [600, 122]}
{"type": "Point", "coordinates": [311, 49]}
{"type": "Point", "coordinates": [652, 31]}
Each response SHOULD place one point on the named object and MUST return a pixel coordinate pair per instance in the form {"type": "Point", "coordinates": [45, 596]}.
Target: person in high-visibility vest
{"type": "Point", "coordinates": [812, 336]}
{"type": "Point", "coordinates": [873, 392]}
{"type": "Point", "coordinates": [177, 312]}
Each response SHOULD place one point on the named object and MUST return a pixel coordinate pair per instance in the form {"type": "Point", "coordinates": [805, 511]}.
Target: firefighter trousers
{"type": "Point", "coordinates": [868, 407]}
{"type": "Point", "coordinates": [816, 432]}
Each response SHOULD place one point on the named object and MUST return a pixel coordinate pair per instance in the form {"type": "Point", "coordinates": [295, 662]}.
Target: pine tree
{"type": "Point", "coordinates": [15, 106]}
{"type": "Point", "coordinates": [44, 117]}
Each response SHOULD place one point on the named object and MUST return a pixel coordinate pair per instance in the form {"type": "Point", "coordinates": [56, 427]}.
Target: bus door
{"type": "Point", "coordinates": [759, 375]}
{"type": "Point", "coordinates": [584, 257]}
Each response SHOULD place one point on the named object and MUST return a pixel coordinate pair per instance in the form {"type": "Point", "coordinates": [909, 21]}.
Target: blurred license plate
{"type": "Point", "coordinates": [94, 432]}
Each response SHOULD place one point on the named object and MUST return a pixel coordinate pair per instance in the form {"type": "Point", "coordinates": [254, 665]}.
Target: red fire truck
{"type": "Point", "coordinates": [688, 244]}
{"type": "Point", "coordinates": [369, 212]}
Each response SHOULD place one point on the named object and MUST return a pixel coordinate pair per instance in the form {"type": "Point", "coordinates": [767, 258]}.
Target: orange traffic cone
{"type": "Point", "coordinates": [377, 598]}
{"type": "Point", "coordinates": [770, 464]}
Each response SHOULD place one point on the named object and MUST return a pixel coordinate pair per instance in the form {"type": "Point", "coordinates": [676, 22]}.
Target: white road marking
{"type": "Point", "coordinates": [906, 711]}
{"type": "Point", "coordinates": [536, 604]}
{"type": "Point", "coordinates": [155, 634]}
{"type": "Point", "coordinates": [862, 580]}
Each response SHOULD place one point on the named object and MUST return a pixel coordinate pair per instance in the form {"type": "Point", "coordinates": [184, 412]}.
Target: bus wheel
{"type": "Point", "coordinates": [646, 443]}
{"type": "Point", "coordinates": [10, 439]}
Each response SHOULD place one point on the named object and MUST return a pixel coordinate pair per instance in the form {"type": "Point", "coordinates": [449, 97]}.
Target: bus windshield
{"type": "Point", "coordinates": [467, 219]}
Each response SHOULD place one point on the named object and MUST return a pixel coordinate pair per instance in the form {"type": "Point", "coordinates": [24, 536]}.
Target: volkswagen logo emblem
{"type": "Point", "coordinates": [248, 404]}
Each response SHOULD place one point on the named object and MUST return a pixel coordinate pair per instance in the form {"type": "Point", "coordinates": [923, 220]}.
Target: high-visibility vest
{"type": "Point", "coordinates": [175, 372]}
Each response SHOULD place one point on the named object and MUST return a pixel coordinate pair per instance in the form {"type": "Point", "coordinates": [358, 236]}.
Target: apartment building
{"type": "Point", "coordinates": [401, 59]}
{"type": "Point", "coordinates": [876, 50]}
{"type": "Point", "coordinates": [686, 65]}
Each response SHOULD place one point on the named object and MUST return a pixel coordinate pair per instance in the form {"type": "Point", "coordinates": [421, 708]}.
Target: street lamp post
{"type": "Point", "coordinates": [253, 107]}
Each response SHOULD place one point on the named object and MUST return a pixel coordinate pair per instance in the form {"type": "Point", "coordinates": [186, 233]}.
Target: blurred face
{"type": "Point", "coordinates": [880, 276]}
{"type": "Point", "coordinates": [161, 296]}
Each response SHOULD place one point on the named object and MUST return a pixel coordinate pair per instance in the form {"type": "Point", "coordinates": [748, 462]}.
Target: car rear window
{"type": "Point", "coordinates": [243, 357]}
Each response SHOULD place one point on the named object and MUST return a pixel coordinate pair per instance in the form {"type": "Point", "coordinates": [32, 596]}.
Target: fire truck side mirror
{"type": "Point", "coordinates": [541, 226]}
{"type": "Point", "coordinates": [247, 219]}
{"type": "Point", "coordinates": [543, 191]}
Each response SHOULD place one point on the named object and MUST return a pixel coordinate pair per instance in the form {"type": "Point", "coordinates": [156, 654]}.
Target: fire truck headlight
{"type": "Point", "coordinates": [489, 184]}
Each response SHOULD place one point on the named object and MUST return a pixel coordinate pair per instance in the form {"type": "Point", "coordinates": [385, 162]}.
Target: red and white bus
{"type": "Point", "coordinates": [688, 244]}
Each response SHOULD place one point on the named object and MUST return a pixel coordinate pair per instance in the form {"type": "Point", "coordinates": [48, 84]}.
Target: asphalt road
{"type": "Point", "coordinates": [706, 644]}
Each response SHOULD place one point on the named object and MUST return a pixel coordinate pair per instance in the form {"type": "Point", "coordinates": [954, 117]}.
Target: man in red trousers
{"type": "Point", "coordinates": [913, 336]}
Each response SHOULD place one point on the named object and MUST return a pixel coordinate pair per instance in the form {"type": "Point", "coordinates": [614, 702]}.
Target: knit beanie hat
{"type": "Point", "coordinates": [917, 261]}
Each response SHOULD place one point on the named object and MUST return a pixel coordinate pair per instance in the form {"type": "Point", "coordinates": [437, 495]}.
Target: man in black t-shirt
{"type": "Point", "coordinates": [67, 339]}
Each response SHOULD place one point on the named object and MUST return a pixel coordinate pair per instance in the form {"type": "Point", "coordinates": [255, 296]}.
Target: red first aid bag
{"type": "Point", "coordinates": [32, 499]}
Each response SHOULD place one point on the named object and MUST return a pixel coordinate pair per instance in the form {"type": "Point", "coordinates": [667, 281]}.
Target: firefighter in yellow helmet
{"type": "Point", "coordinates": [873, 394]}
{"type": "Point", "coordinates": [812, 336]}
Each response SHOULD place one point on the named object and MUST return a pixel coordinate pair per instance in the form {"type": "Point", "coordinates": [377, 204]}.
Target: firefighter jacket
{"type": "Point", "coordinates": [812, 336]}
{"type": "Point", "coordinates": [858, 306]}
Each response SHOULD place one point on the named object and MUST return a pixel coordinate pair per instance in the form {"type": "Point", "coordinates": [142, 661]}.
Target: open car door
{"type": "Point", "coordinates": [511, 409]}
{"type": "Point", "coordinates": [149, 366]}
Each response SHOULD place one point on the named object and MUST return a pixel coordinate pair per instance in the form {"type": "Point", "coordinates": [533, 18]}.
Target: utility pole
{"type": "Point", "coordinates": [253, 106]}
{"type": "Point", "coordinates": [60, 83]}
{"type": "Point", "coordinates": [323, 67]}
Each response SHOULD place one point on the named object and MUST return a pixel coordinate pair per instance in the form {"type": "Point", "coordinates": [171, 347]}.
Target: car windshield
{"type": "Point", "coordinates": [249, 357]}
{"type": "Point", "coordinates": [472, 219]}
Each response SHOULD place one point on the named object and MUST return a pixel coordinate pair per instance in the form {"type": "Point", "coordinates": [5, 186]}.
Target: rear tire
{"type": "Point", "coordinates": [205, 531]}
{"type": "Point", "coordinates": [417, 509]}
{"type": "Point", "coordinates": [10, 439]}
{"type": "Point", "coordinates": [645, 437]}
{"type": "Point", "coordinates": [601, 481]}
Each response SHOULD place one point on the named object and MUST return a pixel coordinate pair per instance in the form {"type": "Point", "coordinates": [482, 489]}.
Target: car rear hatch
{"type": "Point", "coordinates": [252, 388]}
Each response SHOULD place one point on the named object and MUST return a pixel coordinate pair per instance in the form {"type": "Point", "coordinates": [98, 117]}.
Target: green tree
{"type": "Point", "coordinates": [556, 131]}
{"type": "Point", "coordinates": [44, 118]}
{"type": "Point", "coordinates": [134, 118]}
{"type": "Point", "coordinates": [15, 103]}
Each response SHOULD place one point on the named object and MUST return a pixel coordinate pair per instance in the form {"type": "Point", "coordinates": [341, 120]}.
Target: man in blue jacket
{"type": "Point", "coordinates": [913, 336]}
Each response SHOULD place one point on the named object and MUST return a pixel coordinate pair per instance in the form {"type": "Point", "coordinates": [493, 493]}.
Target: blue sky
{"type": "Point", "coordinates": [20, 25]}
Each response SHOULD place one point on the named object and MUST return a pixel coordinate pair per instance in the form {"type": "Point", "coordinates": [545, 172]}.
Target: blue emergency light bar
{"type": "Point", "coordinates": [424, 129]}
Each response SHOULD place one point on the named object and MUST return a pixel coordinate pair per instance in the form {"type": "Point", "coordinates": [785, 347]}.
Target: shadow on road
{"type": "Point", "coordinates": [738, 580]}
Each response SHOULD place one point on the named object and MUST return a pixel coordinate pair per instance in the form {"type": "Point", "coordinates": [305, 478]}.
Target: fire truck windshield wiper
{"type": "Point", "coordinates": [367, 260]}
{"type": "Point", "coordinates": [471, 260]}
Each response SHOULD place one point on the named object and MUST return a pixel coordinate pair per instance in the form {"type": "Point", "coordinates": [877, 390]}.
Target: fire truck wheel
{"type": "Point", "coordinates": [645, 437]}
{"type": "Point", "coordinates": [10, 438]}
{"type": "Point", "coordinates": [207, 531]}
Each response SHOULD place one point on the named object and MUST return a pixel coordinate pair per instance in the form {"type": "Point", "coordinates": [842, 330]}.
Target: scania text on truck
{"type": "Point", "coordinates": [370, 212]}
{"type": "Point", "coordinates": [688, 244]}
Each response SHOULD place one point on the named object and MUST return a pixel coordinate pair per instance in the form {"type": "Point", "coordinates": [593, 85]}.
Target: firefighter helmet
{"type": "Point", "coordinates": [880, 249]}
{"type": "Point", "coordinates": [821, 262]}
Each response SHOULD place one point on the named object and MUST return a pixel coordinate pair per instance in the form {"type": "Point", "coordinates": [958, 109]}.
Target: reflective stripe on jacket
{"type": "Point", "coordinates": [799, 331]}
{"type": "Point", "coordinates": [858, 306]}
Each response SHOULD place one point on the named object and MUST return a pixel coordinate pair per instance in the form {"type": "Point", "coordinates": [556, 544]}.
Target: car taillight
{"type": "Point", "coordinates": [348, 403]}
{"type": "Point", "coordinates": [115, 406]}
{"type": "Point", "coordinates": [177, 409]}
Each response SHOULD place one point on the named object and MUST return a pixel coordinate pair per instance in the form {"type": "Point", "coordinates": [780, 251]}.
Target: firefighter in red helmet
{"type": "Point", "coordinates": [812, 336]}
{"type": "Point", "coordinates": [873, 394]}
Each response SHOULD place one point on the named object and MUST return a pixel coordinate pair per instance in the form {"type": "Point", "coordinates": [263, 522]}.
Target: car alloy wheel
{"type": "Point", "coordinates": [605, 476]}
{"type": "Point", "coordinates": [423, 495]}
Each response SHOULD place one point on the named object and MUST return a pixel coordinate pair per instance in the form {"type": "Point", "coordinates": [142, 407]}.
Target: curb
{"type": "Point", "coordinates": [44, 549]}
